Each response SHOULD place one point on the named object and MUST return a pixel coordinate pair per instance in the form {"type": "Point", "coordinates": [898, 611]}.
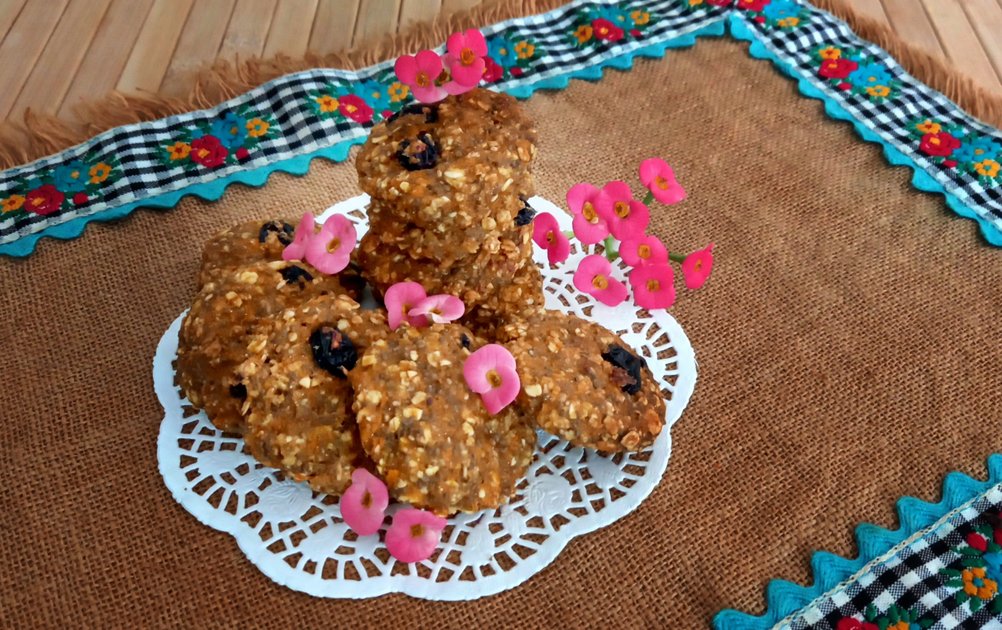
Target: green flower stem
{"type": "Point", "coordinates": [648, 198]}
{"type": "Point", "coordinates": [676, 257]}
{"type": "Point", "coordinates": [611, 251]}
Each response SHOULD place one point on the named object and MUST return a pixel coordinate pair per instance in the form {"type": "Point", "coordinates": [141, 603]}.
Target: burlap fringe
{"type": "Point", "coordinates": [39, 135]}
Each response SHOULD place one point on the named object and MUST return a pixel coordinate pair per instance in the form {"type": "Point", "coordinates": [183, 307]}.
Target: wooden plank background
{"type": "Point", "coordinates": [55, 53]}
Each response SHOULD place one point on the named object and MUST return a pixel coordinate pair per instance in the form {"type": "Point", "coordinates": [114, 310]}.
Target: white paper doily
{"type": "Point", "coordinates": [297, 538]}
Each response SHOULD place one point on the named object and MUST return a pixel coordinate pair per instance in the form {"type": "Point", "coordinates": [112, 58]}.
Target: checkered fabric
{"type": "Point", "coordinates": [891, 119]}
{"type": "Point", "coordinates": [910, 578]}
{"type": "Point", "coordinates": [297, 128]}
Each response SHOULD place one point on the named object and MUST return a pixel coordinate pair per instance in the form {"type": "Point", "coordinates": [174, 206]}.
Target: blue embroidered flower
{"type": "Point", "coordinates": [779, 9]}
{"type": "Point", "coordinates": [870, 74]}
{"type": "Point", "coordinates": [231, 130]}
{"type": "Point", "coordinates": [977, 150]}
{"type": "Point", "coordinates": [617, 16]}
{"type": "Point", "coordinates": [375, 94]}
{"type": "Point", "coordinates": [502, 51]}
{"type": "Point", "coordinates": [71, 178]}
{"type": "Point", "coordinates": [993, 565]}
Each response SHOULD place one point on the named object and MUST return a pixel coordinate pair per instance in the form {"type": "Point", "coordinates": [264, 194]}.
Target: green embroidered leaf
{"type": "Point", "coordinates": [950, 572]}
{"type": "Point", "coordinates": [954, 583]}
{"type": "Point", "coordinates": [883, 623]}
{"type": "Point", "coordinates": [894, 615]}
{"type": "Point", "coordinates": [976, 604]}
{"type": "Point", "coordinates": [962, 597]}
{"type": "Point", "coordinates": [968, 551]}
{"type": "Point", "coordinates": [971, 563]}
{"type": "Point", "coordinates": [870, 613]}
{"type": "Point", "coordinates": [997, 605]}
{"type": "Point", "coordinates": [926, 623]}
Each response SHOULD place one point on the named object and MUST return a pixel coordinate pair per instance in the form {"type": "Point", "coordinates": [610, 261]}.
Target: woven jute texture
{"type": "Point", "coordinates": [848, 346]}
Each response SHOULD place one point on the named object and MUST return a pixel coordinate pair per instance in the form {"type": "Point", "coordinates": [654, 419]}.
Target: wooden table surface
{"type": "Point", "coordinates": [55, 53]}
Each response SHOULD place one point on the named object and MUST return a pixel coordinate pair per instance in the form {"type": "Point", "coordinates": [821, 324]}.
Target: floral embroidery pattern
{"type": "Point", "coordinates": [507, 58]}
{"type": "Point", "coordinates": [609, 24]}
{"type": "Point", "coordinates": [854, 72]}
{"type": "Point", "coordinates": [951, 147]}
{"type": "Point", "coordinates": [66, 186]}
{"type": "Point", "coordinates": [895, 618]}
{"type": "Point", "coordinates": [227, 139]}
{"type": "Point", "coordinates": [980, 572]}
{"type": "Point", "coordinates": [364, 102]}
{"type": "Point", "coordinates": [781, 14]}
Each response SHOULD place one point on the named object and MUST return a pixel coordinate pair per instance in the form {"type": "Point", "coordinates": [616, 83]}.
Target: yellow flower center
{"type": "Point", "coordinates": [588, 212]}
{"type": "Point", "coordinates": [334, 245]}
{"type": "Point", "coordinates": [75, 174]}
{"type": "Point", "coordinates": [37, 201]}
{"type": "Point", "coordinates": [467, 56]}
{"type": "Point", "coordinates": [422, 79]}
{"type": "Point", "coordinates": [494, 378]}
{"type": "Point", "coordinates": [417, 531]}
{"type": "Point", "coordinates": [350, 108]}
{"type": "Point", "coordinates": [600, 282]}
{"type": "Point", "coordinates": [644, 251]}
{"type": "Point", "coordinates": [661, 182]}
{"type": "Point", "coordinates": [934, 140]}
{"type": "Point", "coordinates": [653, 285]}
{"type": "Point", "coordinates": [203, 153]}
{"type": "Point", "coordinates": [367, 499]}
{"type": "Point", "coordinates": [551, 237]}
{"type": "Point", "coordinates": [622, 209]}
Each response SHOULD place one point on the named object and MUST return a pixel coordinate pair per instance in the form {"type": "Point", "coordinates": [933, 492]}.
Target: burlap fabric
{"type": "Point", "coordinates": [848, 347]}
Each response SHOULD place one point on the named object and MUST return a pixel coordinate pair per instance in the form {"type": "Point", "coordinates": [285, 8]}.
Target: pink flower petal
{"type": "Point", "coordinates": [330, 250]}
{"type": "Point", "coordinates": [430, 62]}
{"type": "Point", "coordinates": [504, 393]}
{"type": "Point", "coordinates": [304, 232]}
{"type": "Point", "coordinates": [479, 363]}
{"type": "Point", "coordinates": [421, 73]}
{"type": "Point", "coordinates": [475, 40]}
{"type": "Point", "coordinates": [463, 74]}
{"type": "Point", "coordinates": [400, 299]}
{"type": "Point", "coordinates": [646, 250]}
{"type": "Point", "coordinates": [546, 234]}
{"type": "Point", "coordinates": [414, 535]}
{"type": "Point", "coordinates": [697, 266]}
{"type": "Point", "coordinates": [613, 295]}
{"type": "Point", "coordinates": [440, 309]}
{"type": "Point", "coordinates": [589, 267]}
{"type": "Point", "coordinates": [406, 69]}
{"type": "Point", "coordinates": [627, 217]}
{"type": "Point", "coordinates": [578, 195]}
{"type": "Point", "coordinates": [590, 233]}
{"type": "Point", "coordinates": [363, 504]}
{"type": "Point", "coordinates": [653, 286]}
{"type": "Point", "coordinates": [659, 178]}
{"type": "Point", "coordinates": [455, 44]}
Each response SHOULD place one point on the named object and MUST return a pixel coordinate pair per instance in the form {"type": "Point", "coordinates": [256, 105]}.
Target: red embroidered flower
{"type": "Point", "coordinates": [208, 151]}
{"type": "Point", "coordinates": [606, 30]}
{"type": "Point", "coordinates": [977, 541]}
{"type": "Point", "coordinates": [760, 19]}
{"type": "Point", "coordinates": [719, 3]}
{"type": "Point", "coordinates": [352, 106]}
{"type": "Point", "coordinates": [837, 68]}
{"type": "Point", "coordinates": [242, 154]}
{"type": "Point", "coordinates": [997, 536]}
{"type": "Point", "coordinates": [752, 5]}
{"type": "Point", "coordinates": [848, 623]}
{"type": "Point", "coordinates": [44, 200]}
{"type": "Point", "coordinates": [939, 144]}
{"type": "Point", "coordinates": [80, 198]}
{"type": "Point", "coordinates": [635, 33]}
{"type": "Point", "coordinates": [492, 71]}
{"type": "Point", "coordinates": [950, 164]}
{"type": "Point", "coordinates": [845, 87]}
{"type": "Point", "coordinates": [516, 71]}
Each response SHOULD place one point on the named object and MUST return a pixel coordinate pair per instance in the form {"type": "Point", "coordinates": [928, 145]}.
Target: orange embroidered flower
{"type": "Point", "coordinates": [398, 92]}
{"type": "Point", "coordinates": [977, 585]}
{"type": "Point", "coordinates": [99, 172]}
{"type": "Point", "coordinates": [928, 126]}
{"type": "Point", "coordinates": [788, 22]}
{"type": "Point", "coordinates": [179, 151]}
{"type": "Point", "coordinates": [328, 104]}
{"type": "Point", "coordinates": [640, 17]}
{"type": "Point", "coordinates": [583, 33]}
{"type": "Point", "coordinates": [987, 168]}
{"type": "Point", "coordinates": [695, 3]}
{"type": "Point", "coordinates": [12, 203]}
{"type": "Point", "coordinates": [524, 50]}
{"type": "Point", "coordinates": [257, 127]}
{"type": "Point", "coordinates": [830, 53]}
{"type": "Point", "coordinates": [878, 91]}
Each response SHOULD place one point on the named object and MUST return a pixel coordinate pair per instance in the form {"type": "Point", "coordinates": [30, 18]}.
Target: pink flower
{"type": "Point", "coordinates": [657, 177]}
{"type": "Point", "coordinates": [400, 299]}
{"type": "Point", "coordinates": [627, 217]}
{"type": "Point", "coordinates": [589, 227]}
{"type": "Point", "coordinates": [697, 266]}
{"type": "Point", "coordinates": [646, 250]}
{"type": "Point", "coordinates": [363, 504]}
{"type": "Point", "coordinates": [490, 372]}
{"type": "Point", "coordinates": [420, 72]}
{"type": "Point", "coordinates": [653, 286]}
{"type": "Point", "coordinates": [546, 233]}
{"type": "Point", "coordinates": [352, 106]}
{"type": "Point", "coordinates": [592, 277]}
{"type": "Point", "coordinates": [414, 534]}
{"type": "Point", "coordinates": [465, 60]}
{"type": "Point", "coordinates": [330, 250]}
{"type": "Point", "coordinates": [440, 309]}
{"type": "Point", "coordinates": [296, 250]}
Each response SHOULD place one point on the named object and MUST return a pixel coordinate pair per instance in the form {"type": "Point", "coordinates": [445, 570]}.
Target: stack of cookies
{"type": "Point", "coordinates": [448, 184]}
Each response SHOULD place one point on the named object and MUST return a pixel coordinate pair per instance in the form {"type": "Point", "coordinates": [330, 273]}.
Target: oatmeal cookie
{"type": "Point", "coordinates": [582, 383]}
{"type": "Point", "coordinates": [431, 438]}
{"type": "Point", "coordinates": [250, 242]}
{"type": "Point", "coordinates": [299, 416]}
{"type": "Point", "coordinates": [521, 298]}
{"type": "Point", "coordinates": [224, 315]}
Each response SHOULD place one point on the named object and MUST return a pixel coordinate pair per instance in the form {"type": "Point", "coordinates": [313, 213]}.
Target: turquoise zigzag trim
{"type": "Point", "coordinates": [920, 179]}
{"type": "Point", "coordinates": [785, 598]}
{"type": "Point", "coordinates": [299, 165]}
